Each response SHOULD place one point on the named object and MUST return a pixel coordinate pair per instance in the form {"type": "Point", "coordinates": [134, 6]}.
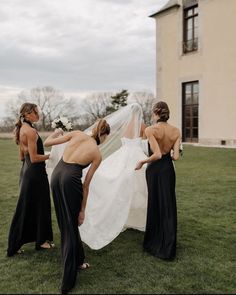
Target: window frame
{"type": "Point", "coordinates": [194, 41]}
{"type": "Point", "coordinates": [190, 116]}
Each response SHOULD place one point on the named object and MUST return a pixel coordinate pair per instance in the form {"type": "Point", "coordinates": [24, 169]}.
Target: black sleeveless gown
{"type": "Point", "coordinates": [67, 193]}
{"type": "Point", "coordinates": [32, 219]}
{"type": "Point", "coordinates": [161, 227]}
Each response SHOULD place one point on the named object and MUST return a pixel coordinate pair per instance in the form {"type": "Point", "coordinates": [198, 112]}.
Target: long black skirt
{"type": "Point", "coordinates": [67, 193]}
{"type": "Point", "coordinates": [161, 227]}
{"type": "Point", "coordinates": [32, 219]}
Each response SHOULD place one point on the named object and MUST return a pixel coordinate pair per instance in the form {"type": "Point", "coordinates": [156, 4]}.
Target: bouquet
{"type": "Point", "coordinates": [181, 149]}
{"type": "Point", "coordinates": [63, 123]}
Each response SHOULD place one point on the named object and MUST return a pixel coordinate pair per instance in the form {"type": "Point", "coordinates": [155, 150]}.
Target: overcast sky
{"type": "Point", "coordinates": [77, 46]}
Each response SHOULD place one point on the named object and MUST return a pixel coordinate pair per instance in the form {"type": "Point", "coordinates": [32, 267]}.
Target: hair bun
{"type": "Point", "coordinates": [100, 129]}
{"type": "Point", "coordinates": [162, 110]}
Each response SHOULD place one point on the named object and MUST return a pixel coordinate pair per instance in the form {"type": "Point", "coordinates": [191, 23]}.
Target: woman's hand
{"type": "Point", "coordinates": [81, 218]}
{"type": "Point", "coordinates": [58, 132]}
{"type": "Point", "coordinates": [139, 165]}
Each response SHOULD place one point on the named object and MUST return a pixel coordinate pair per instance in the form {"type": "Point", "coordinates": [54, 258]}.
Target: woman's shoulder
{"type": "Point", "coordinates": [28, 130]}
{"type": "Point", "coordinates": [79, 134]}
{"type": "Point", "coordinates": [150, 129]}
{"type": "Point", "coordinates": [153, 130]}
{"type": "Point", "coordinates": [175, 129]}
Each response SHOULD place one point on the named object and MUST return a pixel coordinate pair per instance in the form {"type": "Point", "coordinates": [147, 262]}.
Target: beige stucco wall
{"type": "Point", "coordinates": [214, 65]}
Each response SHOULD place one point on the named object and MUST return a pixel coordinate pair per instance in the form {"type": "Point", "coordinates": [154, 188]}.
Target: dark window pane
{"type": "Point", "coordinates": [195, 122]}
{"type": "Point", "coordinates": [187, 133]}
{"type": "Point", "coordinates": [195, 111]}
{"type": "Point", "coordinates": [188, 122]}
{"type": "Point", "coordinates": [195, 132]}
{"type": "Point", "coordinates": [187, 111]}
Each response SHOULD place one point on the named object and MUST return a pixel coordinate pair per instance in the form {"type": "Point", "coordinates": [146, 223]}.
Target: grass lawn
{"type": "Point", "coordinates": [205, 263]}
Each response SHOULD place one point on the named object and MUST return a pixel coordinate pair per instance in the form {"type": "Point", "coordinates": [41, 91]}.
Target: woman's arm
{"type": "Point", "coordinates": [176, 149]}
{"type": "Point", "coordinates": [142, 131]}
{"type": "Point", "coordinates": [32, 147]}
{"type": "Point", "coordinates": [55, 139]}
{"type": "Point", "coordinates": [95, 164]}
{"type": "Point", "coordinates": [154, 147]}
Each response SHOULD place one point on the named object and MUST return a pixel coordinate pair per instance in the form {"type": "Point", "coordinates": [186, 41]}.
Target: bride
{"type": "Point", "coordinates": [118, 194]}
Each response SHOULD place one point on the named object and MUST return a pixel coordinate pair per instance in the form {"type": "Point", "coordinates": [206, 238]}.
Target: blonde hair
{"type": "Point", "coordinates": [100, 129]}
{"type": "Point", "coordinates": [26, 108]}
{"type": "Point", "coordinates": [162, 110]}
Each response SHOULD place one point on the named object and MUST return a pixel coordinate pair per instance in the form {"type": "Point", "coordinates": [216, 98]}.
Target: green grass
{"type": "Point", "coordinates": [205, 263]}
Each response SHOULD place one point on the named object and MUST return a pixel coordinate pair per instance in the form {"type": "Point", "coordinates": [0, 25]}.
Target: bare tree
{"type": "Point", "coordinates": [82, 122]}
{"type": "Point", "coordinates": [146, 101]}
{"type": "Point", "coordinates": [95, 105]}
{"type": "Point", "coordinates": [51, 102]}
{"type": "Point", "coordinates": [7, 124]}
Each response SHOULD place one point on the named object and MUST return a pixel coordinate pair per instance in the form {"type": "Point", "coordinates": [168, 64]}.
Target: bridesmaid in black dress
{"type": "Point", "coordinates": [70, 195]}
{"type": "Point", "coordinates": [32, 219]}
{"type": "Point", "coordinates": [164, 143]}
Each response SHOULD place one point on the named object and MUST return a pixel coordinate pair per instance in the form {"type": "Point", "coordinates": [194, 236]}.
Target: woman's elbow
{"type": "Point", "coordinates": [175, 157]}
{"type": "Point", "coordinates": [158, 156]}
{"type": "Point", "coordinates": [33, 159]}
{"type": "Point", "coordinates": [46, 143]}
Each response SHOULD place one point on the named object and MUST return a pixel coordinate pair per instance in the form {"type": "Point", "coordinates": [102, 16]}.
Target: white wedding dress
{"type": "Point", "coordinates": [117, 196]}
{"type": "Point", "coordinates": [118, 193]}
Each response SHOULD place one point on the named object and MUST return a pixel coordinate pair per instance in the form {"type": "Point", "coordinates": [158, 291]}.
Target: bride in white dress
{"type": "Point", "coordinates": [118, 194]}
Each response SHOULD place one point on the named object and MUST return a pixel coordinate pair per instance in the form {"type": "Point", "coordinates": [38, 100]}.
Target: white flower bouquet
{"type": "Point", "coordinates": [63, 123]}
{"type": "Point", "coordinates": [181, 149]}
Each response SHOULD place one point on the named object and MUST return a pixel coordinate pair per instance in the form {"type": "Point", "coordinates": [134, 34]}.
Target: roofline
{"type": "Point", "coordinates": [164, 10]}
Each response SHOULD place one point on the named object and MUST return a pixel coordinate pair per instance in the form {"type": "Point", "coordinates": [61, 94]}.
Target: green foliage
{"type": "Point", "coordinates": [205, 261]}
{"type": "Point", "coordinates": [117, 101]}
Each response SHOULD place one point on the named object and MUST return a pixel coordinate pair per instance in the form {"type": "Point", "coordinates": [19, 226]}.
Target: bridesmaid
{"type": "Point", "coordinates": [70, 195]}
{"type": "Point", "coordinates": [164, 143]}
{"type": "Point", "coordinates": [32, 219]}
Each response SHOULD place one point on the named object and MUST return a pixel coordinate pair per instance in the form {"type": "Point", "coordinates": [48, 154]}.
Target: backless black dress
{"type": "Point", "coordinates": [161, 227]}
{"type": "Point", "coordinates": [67, 193]}
{"type": "Point", "coordinates": [32, 219]}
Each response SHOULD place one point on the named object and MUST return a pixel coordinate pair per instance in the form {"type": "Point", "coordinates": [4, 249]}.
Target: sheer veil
{"type": "Point", "coordinates": [118, 193]}
{"type": "Point", "coordinates": [126, 122]}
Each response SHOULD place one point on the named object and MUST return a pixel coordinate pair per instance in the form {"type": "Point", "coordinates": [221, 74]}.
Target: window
{"type": "Point", "coordinates": [190, 111]}
{"type": "Point", "coordinates": [190, 29]}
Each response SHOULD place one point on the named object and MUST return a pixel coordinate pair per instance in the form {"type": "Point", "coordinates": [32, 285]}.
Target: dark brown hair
{"type": "Point", "coordinates": [26, 108]}
{"type": "Point", "coordinates": [162, 110]}
{"type": "Point", "coordinates": [100, 129]}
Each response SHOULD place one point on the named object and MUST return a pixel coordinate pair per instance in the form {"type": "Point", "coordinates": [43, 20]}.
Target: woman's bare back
{"type": "Point", "coordinates": [81, 149]}
{"type": "Point", "coordinates": [25, 132]}
{"type": "Point", "coordinates": [166, 136]}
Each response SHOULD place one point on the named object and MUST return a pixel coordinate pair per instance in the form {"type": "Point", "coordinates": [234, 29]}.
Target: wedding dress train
{"type": "Point", "coordinates": [117, 196]}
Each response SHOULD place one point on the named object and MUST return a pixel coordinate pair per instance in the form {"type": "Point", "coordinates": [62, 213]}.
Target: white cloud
{"type": "Point", "coordinates": [78, 46]}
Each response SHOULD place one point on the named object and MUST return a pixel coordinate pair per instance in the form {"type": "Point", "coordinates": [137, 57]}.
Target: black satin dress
{"type": "Point", "coordinates": [161, 227]}
{"type": "Point", "coordinates": [32, 219]}
{"type": "Point", "coordinates": [67, 193]}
